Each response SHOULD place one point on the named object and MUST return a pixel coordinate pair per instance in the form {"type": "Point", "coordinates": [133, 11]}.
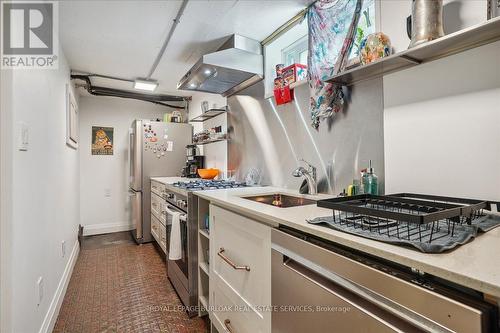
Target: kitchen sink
{"type": "Point", "coordinates": [281, 200]}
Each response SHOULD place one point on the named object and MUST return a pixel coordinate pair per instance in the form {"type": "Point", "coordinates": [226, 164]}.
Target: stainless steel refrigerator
{"type": "Point", "coordinates": [157, 149]}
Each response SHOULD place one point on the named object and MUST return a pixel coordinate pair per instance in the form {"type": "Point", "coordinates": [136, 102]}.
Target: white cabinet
{"type": "Point", "coordinates": [155, 228]}
{"type": "Point", "coordinates": [158, 218]}
{"type": "Point", "coordinates": [158, 207]}
{"type": "Point", "coordinates": [231, 313]}
{"type": "Point", "coordinates": [240, 270]}
{"type": "Point", "coordinates": [163, 238]}
{"type": "Point", "coordinates": [158, 188]}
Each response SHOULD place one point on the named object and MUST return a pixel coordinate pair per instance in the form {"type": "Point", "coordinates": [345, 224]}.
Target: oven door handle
{"type": "Point", "coordinates": [168, 211]}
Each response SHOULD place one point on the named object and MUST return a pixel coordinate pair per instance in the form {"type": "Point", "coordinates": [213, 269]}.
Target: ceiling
{"type": "Point", "coordinates": [123, 38]}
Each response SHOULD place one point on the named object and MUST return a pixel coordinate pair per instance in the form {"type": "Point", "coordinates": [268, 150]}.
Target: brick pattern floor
{"type": "Point", "coordinates": [122, 287]}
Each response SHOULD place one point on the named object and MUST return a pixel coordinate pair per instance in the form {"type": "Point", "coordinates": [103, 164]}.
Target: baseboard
{"type": "Point", "coordinates": [55, 305]}
{"type": "Point", "coordinates": [97, 229]}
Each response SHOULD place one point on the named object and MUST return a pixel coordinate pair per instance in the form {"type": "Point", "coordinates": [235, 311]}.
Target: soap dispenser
{"type": "Point", "coordinates": [370, 181]}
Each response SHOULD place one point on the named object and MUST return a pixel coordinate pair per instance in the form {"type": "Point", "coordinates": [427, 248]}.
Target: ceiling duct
{"type": "Point", "coordinates": [158, 99]}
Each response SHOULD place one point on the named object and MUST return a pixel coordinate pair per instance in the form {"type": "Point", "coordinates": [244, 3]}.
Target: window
{"type": "Point", "coordinates": [291, 47]}
{"type": "Point", "coordinates": [366, 26]}
{"type": "Point", "coordinates": [296, 53]}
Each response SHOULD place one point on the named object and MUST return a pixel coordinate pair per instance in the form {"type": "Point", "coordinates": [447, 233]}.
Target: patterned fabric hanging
{"type": "Point", "coordinates": [332, 27]}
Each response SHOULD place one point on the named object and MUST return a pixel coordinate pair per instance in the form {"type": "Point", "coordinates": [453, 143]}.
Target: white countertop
{"type": "Point", "coordinates": [475, 265]}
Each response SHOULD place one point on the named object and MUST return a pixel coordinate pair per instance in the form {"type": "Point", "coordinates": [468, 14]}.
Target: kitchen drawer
{"type": "Point", "coordinates": [158, 207]}
{"type": "Point", "coordinates": [245, 242]}
{"type": "Point", "coordinates": [158, 188]}
{"type": "Point", "coordinates": [228, 306]}
{"type": "Point", "coordinates": [163, 238]}
{"type": "Point", "coordinates": [155, 228]}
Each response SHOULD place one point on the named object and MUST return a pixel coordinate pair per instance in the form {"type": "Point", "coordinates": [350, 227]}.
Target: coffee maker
{"type": "Point", "coordinates": [193, 162]}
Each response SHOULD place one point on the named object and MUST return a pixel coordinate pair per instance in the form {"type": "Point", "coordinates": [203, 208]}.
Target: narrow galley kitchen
{"type": "Point", "coordinates": [285, 166]}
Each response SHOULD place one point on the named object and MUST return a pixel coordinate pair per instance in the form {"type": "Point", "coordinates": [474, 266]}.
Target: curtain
{"type": "Point", "coordinates": [332, 27]}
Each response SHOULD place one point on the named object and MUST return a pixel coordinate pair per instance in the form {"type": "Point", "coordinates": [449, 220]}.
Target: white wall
{"type": "Point", "coordinates": [6, 147]}
{"type": "Point", "coordinates": [441, 119]}
{"type": "Point", "coordinates": [442, 126]}
{"type": "Point", "coordinates": [457, 14]}
{"type": "Point", "coordinates": [101, 174]}
{"type": "Point", "coordinates": [215, 153]}
{"type": "Point", "coordinates": [41, 199]}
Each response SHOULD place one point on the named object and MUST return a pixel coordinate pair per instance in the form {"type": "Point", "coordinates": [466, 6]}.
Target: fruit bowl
{"type": "Point", "coordinates": [208, 173]}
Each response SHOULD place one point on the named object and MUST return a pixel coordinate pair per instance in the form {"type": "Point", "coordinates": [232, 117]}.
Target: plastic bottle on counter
{"type": "Point", "coordinates": [370, 181]}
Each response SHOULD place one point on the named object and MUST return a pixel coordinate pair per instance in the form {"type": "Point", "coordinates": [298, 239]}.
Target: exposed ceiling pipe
{"type": "Point", "coordinates": [167, 40]}
{"type": "Point", "coordinates": [109, 77]}
{"type": "Point", "coordinates": [155, 99]}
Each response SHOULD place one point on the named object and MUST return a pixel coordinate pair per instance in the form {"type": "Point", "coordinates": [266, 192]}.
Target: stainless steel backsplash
{"type": "Point", "coordinates": [273, 138]}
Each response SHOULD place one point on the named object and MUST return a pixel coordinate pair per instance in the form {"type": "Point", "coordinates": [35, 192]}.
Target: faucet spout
{"type": "Point", "coordinates": [309, 175]}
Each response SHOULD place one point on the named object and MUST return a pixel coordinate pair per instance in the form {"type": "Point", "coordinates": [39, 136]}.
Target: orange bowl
{"type": "Point", "coordinates": [208, 173]}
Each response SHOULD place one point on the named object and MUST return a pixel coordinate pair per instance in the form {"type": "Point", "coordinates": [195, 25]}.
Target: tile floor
{"type": "Point", "coordinates": [118, 286]}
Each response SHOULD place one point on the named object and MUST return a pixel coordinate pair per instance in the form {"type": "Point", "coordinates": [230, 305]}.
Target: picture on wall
{"type": "Point", "coordinates": [102, 140]}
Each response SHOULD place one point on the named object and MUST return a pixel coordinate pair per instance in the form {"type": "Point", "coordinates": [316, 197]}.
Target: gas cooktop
{"type": "Point", "coordinates": [200, 184]}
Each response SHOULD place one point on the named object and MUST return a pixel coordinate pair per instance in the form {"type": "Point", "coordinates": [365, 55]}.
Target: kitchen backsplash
{"type": "Point", "coordinates": [272, 139]}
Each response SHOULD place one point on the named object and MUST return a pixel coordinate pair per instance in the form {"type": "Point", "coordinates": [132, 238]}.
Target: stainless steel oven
{"type": "Point", "coordinates": [318, 286]}
{"type": "Point", "coordinates": [182, 273]}
{"type": "Point", "coordinates": [182, 263]}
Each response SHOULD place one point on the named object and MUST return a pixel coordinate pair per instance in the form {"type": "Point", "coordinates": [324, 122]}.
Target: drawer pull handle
{"type": "Point", "coordinates": [230, 262]}
{"type": "Point", "coordinates": [227, 323]}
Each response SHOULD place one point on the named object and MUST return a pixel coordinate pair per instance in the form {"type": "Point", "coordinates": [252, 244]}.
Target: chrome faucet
{"type": "Point", "coordinates": [309, 175]}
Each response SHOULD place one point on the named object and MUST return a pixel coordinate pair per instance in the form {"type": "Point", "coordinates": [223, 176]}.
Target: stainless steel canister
{"type": "Point", "coordinates": [426, 21]}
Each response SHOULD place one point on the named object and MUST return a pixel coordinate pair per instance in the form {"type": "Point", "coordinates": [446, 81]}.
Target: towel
{"type": "Point", "coordinates": [443, 240]}
{"type": "Point", "coordinates": [175, 248]}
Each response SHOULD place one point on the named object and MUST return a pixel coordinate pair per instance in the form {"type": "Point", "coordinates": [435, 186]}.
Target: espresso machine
{"type": "Point", "coordinates": [194, 161]}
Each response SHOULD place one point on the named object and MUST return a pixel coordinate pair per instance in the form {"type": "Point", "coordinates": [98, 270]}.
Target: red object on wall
{"type": "Point", "coordinates": [294, 73]}
{"type": "Point", "coordinates": [283, 95]}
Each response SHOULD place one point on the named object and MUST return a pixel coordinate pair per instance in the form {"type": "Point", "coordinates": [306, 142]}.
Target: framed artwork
{"type": "Point", "coordinates": [102, 140]}
{"type": "Point", "coordinates": [71, 119]}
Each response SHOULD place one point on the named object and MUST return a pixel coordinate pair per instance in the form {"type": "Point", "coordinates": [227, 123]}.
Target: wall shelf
{"type": "Point", "coordinates": [209, 114]}
{"type": "Point", "coordinates": [209, 141]}
{"type": "Point", "coordinates": [466, 39]}
{"type": "Point", "coordinates": [298, 84]}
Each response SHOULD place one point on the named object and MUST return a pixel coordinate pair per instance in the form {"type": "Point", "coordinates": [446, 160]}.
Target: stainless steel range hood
{"type": "Point", "coordinates": [237, 64]}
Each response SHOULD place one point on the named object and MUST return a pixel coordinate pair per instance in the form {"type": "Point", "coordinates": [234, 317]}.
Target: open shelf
{"type": "Point", "coordinates": [297, 84]}
{"type": "Point", "coordinates": [466, 39]}
{"type": "Point", "coordinates": [203, 256]}
{"type": "Point", "coordinates": [204, 232]}
{"type": "Point", "coordinates": [209, 114]}
{"type": "Point", "coordinates": [204, 267]}
{"type": "Point", "coordinates": [210, 141]}
{"type": "Point", "coordinates": [204, 301]}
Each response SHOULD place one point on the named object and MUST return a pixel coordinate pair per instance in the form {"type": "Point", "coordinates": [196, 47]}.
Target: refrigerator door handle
{"type": "Point", "coordinates": [131, 156]}
{"type": "Point", "coordinates": [135, 158]}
